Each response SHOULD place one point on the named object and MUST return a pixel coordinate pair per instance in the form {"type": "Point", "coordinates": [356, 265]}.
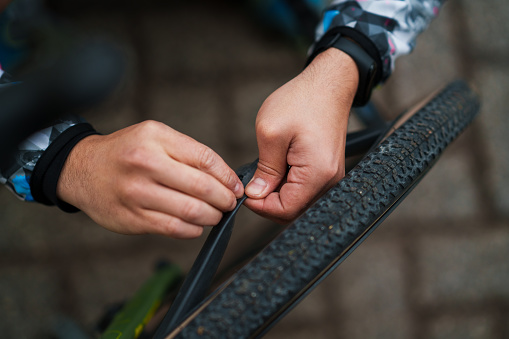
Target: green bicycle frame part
{"type": "Point", "coordinates": [129, 322]}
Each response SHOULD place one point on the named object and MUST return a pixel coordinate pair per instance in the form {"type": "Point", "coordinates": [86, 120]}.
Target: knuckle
{"type": "Point", "coordinates": [227, 176]}
{"type": "Point", "coordinates": [130, 192]}
{"type": "Point", "coordinates": [229, 180]}
{"type": "Point", "coordinates": [201, 186]}
{"type": "Point", "coordinates": [149, 127]}
{"type": "Point", "coordinates": [194, 232]}
{"type": "Point", "coordinates": [136, 157]}
{"type": "Point", "coordinates": [179, 229]}
{"type": "Point", "coordinates": [191, 211]}
{"type": "Point", "coordinates": [230, 201]}
{"type": "Point", "coordinates": [171, 227]}
{"type": "Point", "coordinates": [139, 226]}
{"type": "Point", "coordinates": [267, 132]}
{"type": "Point", "coordinates": [207, 158]}
{"type": "Point", "coordinates": [215, 218]}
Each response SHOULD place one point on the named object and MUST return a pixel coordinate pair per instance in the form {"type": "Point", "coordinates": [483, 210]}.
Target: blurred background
{"type": "Point", "coordinates": [436, 268]}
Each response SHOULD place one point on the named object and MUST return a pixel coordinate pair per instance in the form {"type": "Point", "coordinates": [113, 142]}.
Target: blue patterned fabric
{"type": "Point", "coordinates": [17, 176]}
{"type": "Point", "coordinates": [392, 25]}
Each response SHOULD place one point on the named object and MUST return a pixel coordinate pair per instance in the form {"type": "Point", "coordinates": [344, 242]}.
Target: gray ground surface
{"type": "Point", "coordinates": [437, 268]}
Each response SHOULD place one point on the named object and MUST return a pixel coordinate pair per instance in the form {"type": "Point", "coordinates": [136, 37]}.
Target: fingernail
{"type": "Point", "coordinates": [256, 187]}
{"type": "Point", "coordinates": [238, 189]}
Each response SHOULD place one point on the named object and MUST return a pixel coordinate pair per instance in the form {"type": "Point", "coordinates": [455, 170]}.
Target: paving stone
{"type": "Point", "coordinates": [295, 331]}
{"type": "Point", "coordinates": [179, 35]}
{"type": "Point", "coordinates": [308, 315]}
{"type": "Point", "coordinates": [106, 24]}
{"type": "Point", "coordinates": [41, 233]}
{"type": "Point", "coordinates": [318, 313]}
{"type": "Point", "coordinates": [37, 229]}
{"type": "Point", "coordinates": [494, 122]}
{"type": "Point", "coordinates": [28, 301]}
{"type": "Point", "coordinates": [462, 327]}
{"type": "Point", "coordinates": [118, 109]}
{"type": "Point", "coordinates": [464, 267]}
{"type": "Point", "coordinates": [192, 110]}
{"type": "Point", "coordinates": [372, 294]}
{"type": "Point", "coordinates": [487, 25]}
{"type": "Point", "coordinates": [20, 230]}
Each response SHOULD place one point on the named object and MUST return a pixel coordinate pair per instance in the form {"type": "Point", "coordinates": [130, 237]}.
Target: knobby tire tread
{"type": "Point", "coordinates": [315, 240]}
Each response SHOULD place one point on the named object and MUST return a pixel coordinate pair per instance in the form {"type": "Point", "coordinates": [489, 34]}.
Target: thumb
{"type": "Point", "coordinates": [272, 168]}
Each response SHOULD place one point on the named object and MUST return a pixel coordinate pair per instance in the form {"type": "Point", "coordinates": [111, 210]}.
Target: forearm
{"type": "Point", "coordinates": [391, 25]}
{"type": "Point", "coordinates": [17, 176]}
{"type": "Point", "coordinates": [336, 74]}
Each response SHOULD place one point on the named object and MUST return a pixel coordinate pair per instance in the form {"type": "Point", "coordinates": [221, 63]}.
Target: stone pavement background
{"type": "Point", "coordinates": [437, 267]}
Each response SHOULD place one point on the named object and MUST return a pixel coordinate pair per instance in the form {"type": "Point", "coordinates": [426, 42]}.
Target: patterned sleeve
{"type": "Point", "coordinates": [16, 176]}
{"type": "Point", "coordinates": [14, 49]}
{"type": "Point", "coordinates": [392, 25]}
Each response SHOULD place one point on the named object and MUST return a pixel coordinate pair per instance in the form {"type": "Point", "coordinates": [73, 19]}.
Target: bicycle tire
{"type": "Point", "coordinates": [284, 271]}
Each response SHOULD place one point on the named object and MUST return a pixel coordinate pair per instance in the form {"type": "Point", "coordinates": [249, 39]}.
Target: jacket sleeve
{"type": "Point", "coordinates": [17, 174]}
{"type": "Point", "coordinates": [32, 172]}
{"type": "Point", "coordinates": [391, 25]}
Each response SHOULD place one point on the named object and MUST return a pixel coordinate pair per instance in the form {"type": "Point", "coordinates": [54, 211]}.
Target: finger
{"type": "Point", "coordinates": [199, 156]}
{"type": "Point", "coordinates": [299, 192]}
{"type": "Point", "coordinates": [272, 167]}
{"type": "Point", "coordinates": [170, 226]}
{"type": "Point", "coordinates": [282, 206]}
{"type": "Point", "coordinates": [171, 202]}
{"type": "Point", "coordinates": [191, 181]}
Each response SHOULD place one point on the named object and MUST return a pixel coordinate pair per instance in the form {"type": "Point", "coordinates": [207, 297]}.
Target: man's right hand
{"type": "Point", "coordinates": [149, 178]}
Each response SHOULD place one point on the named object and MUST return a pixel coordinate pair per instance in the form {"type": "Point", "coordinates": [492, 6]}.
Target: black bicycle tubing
{"type": "Point", "coordinates": [280, 273]}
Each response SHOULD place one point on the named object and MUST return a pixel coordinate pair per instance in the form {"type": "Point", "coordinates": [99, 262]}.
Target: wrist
{"type": "Point", "coordinates": [361, 50]}
{"type": "Point", "coordinates": [334, 73]}
{"type": "Point", "coordinates": [70, 180]}
{"type": "Point", "coordinates": [47, 171]}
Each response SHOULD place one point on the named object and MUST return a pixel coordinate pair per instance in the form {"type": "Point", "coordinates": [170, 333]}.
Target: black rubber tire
{"type": "Point", "coordinates": [285, 270]}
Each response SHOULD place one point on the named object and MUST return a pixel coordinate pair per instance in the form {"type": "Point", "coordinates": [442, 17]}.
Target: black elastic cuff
{"type": "Point", "coordinates": [43, 183]}
{"type": "Point", "coordinates": [365, 42]}
{"type": "Point", "coordinates": [361, 39]}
